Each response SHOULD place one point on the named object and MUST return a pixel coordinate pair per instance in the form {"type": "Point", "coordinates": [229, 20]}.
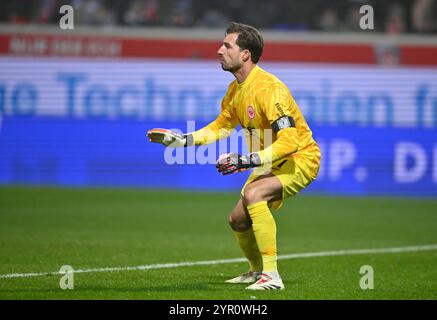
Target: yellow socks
{"type": "Point", "coordinates": [264, 229]}
{"type": "Point", "coordinates": [247, 243]}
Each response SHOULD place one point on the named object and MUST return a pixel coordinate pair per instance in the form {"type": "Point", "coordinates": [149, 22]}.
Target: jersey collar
{"type": "Point", "coordinates": [250, 77]}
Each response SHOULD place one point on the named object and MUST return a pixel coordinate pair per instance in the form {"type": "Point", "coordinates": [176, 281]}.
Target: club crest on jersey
{"type": "Point", "coordinates": [250, 112]}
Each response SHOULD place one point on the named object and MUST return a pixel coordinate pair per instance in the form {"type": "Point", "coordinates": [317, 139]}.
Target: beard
{"type": "Point", "coordinates": [231, 68]}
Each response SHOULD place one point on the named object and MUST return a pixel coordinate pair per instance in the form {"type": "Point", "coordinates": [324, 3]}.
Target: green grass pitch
{"type": "Point", "coordinates": [42, 229]}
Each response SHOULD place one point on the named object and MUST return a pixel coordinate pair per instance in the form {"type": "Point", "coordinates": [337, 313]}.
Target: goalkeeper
{"type": "Point", "coordinates": [285, 156]}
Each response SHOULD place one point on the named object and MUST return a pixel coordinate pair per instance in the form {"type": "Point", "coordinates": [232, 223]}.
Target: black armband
{"type": "Point", "coordinates": [282, 123]}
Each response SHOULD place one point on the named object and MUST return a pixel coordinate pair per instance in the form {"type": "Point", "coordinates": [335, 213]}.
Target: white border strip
{"type": "Point", "coordinates": [224, 261]}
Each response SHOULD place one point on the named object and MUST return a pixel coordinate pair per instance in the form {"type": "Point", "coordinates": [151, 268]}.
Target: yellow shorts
{"type": "Point", "coordinates": [294, 173]}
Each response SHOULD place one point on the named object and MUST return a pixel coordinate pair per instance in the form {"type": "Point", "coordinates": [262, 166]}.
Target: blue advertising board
{"type": "Point", "coordinates": [83, 123]}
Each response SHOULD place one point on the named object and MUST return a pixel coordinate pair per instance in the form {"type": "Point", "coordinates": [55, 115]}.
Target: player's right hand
{"type": "Point", "coordinates": [166, 137]}
{"type": "Point", "coordinates": [233, 162]}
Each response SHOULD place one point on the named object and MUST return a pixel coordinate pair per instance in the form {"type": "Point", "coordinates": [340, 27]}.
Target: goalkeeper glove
{"type": "Point", "coordinates": [167, 137]}
{"type": "Point", "coordinates": [233, 162]}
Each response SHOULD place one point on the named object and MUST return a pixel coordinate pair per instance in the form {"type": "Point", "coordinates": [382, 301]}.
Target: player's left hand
{"type": "Point", "coordinates": [233, 162]}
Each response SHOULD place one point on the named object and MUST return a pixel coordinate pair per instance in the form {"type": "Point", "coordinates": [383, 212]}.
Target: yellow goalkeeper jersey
{"type": "Point", "coordinates": [261, 104]}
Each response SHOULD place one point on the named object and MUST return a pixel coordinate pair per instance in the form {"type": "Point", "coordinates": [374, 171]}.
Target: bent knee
{"type": "Point", "coordinates": [239, 224]}
{"type": "Point", "coordinates": [252, 195]}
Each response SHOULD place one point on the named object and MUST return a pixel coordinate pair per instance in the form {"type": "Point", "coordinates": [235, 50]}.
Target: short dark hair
{"type": "Point", "coordinates": [249, 38]}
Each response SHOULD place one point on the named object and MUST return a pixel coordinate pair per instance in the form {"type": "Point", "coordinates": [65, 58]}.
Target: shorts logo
{"type": "Point", "coordinates": [250, 112]}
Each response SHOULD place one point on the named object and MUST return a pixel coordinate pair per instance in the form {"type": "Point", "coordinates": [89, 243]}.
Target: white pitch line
{"type": "Point", "coordinates": [223, 261]}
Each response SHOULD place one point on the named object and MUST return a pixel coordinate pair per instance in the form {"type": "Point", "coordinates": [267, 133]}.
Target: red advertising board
{"type": "Point", "coordinates": [82, 46]}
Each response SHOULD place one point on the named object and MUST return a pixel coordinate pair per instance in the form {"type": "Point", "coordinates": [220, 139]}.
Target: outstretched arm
{"type": "Point", "coordinates": [220, 128]}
